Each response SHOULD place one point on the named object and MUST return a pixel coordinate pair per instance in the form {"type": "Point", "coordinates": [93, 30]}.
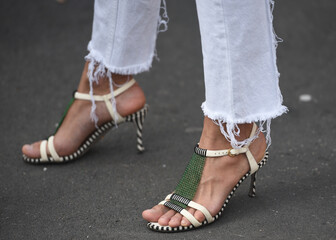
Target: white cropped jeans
{"type": "Point", "coordinates": [239, 55]}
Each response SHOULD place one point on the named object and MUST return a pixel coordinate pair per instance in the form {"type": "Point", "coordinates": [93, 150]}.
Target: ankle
{"type": "Point", "coordinates": [131, 101]}
{"type": "Point", "coordinates": [213, 139]}
{"type": "Point", "coordinates": [103, 85]}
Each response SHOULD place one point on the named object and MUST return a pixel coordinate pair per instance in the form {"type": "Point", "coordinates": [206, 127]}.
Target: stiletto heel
{"type": "Point", "coordinates": [252, 192]}
{"type": "Point", "coordinates": [137, 117]}
{"type": "Point", "coordinates": [181, 199]}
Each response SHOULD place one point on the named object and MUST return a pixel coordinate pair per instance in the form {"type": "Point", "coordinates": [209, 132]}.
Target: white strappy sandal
{"type": "Point", "coordinates": [137, 118]}
{"type": "Point", "coordinates": [180, 199]}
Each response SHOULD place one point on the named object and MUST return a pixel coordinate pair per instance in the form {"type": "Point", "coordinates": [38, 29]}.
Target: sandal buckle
{"type": "Point", "coordinates": [230, 153]}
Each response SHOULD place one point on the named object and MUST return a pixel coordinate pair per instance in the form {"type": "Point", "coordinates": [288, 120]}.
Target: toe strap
{"type": "Point", "coordinates": [52, 149]}
{"type": "Point", "coordinates": [184, 212]}
{"type": "Point", "coordinates": [188, 203]}
{"type": "Point", "coordinates": [43, 150]}
{"type": "Point", "coordinates": [191, 218]}
{"type": "Point", "coordinates": [205, 211]}
{"type": "Point", "coordinates": [192, 204]}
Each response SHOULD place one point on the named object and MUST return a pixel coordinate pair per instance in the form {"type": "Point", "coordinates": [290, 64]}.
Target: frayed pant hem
{"type": "Point", "coordinates": [95, 56]}
{"type": "Point", "coordinates": [230, 130]}
{"type": "Point", "coordinates": [215, 116]}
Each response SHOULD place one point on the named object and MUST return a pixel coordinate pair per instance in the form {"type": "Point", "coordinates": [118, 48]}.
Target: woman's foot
{"type": "Point", "coordinates": [219, 176]}
{"type": "Point", "coordinates": [78, 125]}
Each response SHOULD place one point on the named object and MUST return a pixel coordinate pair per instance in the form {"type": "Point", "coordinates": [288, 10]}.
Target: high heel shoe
{"type": "Point", "coordinates": [180, 199]}
{"type": "Point", "coordinates": [137, 118]}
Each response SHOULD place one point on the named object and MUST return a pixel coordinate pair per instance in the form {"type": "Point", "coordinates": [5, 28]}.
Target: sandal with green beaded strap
{"type": "Point", "coordinates": [137, 118]}
{"type": "Point", "coordinates": [180, 199]}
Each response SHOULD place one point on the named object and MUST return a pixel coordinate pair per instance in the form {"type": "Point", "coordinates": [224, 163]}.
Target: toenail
{"type": "Point", "coordinates": [28, 146]}
{"type": "Point", "coordinates": [184, 222]}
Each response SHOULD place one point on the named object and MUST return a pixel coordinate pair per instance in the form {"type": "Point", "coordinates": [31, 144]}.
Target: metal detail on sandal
{"type": "Point", "coordinates": [137, 118]}
{"type": "Point", "coordinates": [180, 199]}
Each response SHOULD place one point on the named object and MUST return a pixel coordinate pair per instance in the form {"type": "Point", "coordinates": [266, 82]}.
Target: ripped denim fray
{"type": "Point", "coordinates": [97, 70]}
{"type": "Point", "coordinates": [162, 24]}
{"type": "Point", "coordinates": [232, 130]}
{"type": "Point", "coordinates": [163, 18]}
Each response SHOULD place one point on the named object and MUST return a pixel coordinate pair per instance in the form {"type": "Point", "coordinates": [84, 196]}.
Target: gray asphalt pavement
{"type": "Point", "coordinates": [101, 196]}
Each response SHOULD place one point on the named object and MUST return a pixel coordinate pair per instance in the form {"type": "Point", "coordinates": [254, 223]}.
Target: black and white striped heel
{"type": "Point", "coordinates": [137, 118]}
{"type": "Point", "coordinates": [252, 192]}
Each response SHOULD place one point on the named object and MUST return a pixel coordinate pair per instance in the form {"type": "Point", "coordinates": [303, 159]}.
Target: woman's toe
{"type": "Point", "coordinates": [185, 222]}
{"type": "Point", "coordinates": [165, 218]}
{"type": "Point", "coordinates": [26, 149]}
{"type": "Point", "coordinates": [153, 214]}
{"type": "Point", "coordinates": [199, 216]}
{"type": "Point", "coordinates": [31, 150]}
{"type": "Point", "coordinates": [175, 221]}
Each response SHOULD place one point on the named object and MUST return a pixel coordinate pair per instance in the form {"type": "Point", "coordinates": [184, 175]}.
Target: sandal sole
{"type": "Point", "coordinates": [91, 140]}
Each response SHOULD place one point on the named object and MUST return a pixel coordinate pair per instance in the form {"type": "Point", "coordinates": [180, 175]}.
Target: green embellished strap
{"type": "Point", "coordinates": [188, 184]}
{"type": "Point", "coordinates": [64, 114]}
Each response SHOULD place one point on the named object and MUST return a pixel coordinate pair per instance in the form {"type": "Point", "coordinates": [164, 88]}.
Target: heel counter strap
{"type": "Point", "coordinates": [106, 98]}
{"type": "Point", "coordinates": [123, 88]}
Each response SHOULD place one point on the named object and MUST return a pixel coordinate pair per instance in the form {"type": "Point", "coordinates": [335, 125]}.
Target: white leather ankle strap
{"type": "Point", "coordinates": [107, 99]}
{"type": "Point", "coordinates": [232, 152]}
{"type": "Point", "coordinates": [124, 87]}
{"type": "Point", "coordinates": [252, 162]}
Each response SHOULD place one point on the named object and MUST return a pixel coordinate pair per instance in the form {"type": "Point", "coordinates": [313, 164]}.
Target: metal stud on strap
{"type": "Point", "coordinates": [230, 153]}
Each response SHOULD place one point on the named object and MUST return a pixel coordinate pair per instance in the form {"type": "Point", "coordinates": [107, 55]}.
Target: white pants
{"type": "Point", "coordinates": [239, 55]}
